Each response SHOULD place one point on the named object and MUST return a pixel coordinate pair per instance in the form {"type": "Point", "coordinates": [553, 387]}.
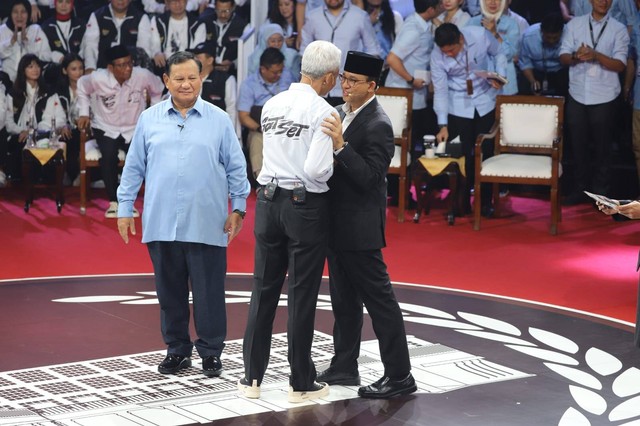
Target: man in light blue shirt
{"type": "Point", "coordinates": [187, 153]}
{"type": "Point", "coordinates": [624, 11]}
{"type": "Point", "coordinates": [539, 59]}
{"type": "Point", "coordinates": [410, 55]}
{"type": "Point", "coordinates": [346, 26]}
{"type": "Point", "coordinates": [595, 47]}
{"type": "Point", "coordinates": [269, 80]}
{"type": "Point", "coordinates": [464, 102]}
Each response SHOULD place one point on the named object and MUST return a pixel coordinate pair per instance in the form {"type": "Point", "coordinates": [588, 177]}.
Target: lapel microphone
{"type": "Point", "coordinates": [181, 127]}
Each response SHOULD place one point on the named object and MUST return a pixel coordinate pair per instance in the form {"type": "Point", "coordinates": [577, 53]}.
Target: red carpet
{"type": "Point", "coordinates": [589, 266]}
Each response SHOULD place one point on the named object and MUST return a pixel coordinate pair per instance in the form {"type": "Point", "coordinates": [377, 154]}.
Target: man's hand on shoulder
{"type": "Point", "coordinates": [332, 127]}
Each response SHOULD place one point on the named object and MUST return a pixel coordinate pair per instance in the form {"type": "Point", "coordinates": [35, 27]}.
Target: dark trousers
{"type": "Point", "coordinates": [591, 128]}
{"type": "Point", "coordinates": [109, 161]}
{"type": "Point", "coordinates": [358, 277]}
{"type": "Point", "coordinates": [73, 154]}
{"type": "Point", "coordinates": [468, 129]}
{"type": "Point", "coordinates": [175, 264]}
{"type": "Point", "coordinates": [293, 239]}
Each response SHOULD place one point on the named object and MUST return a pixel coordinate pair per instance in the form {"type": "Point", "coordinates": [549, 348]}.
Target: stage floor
{"type": "Point", "coordinates": [84, 351]}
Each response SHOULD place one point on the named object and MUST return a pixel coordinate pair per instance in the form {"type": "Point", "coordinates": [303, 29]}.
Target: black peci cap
{"type": "Point", "coordinates": [117, 52]}
{"type": "Point", "coordinates": [362, 63]}
{"type": "Point", "coordinates": [206, 47]}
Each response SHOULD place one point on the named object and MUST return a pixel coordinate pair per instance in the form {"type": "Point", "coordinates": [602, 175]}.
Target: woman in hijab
{"type": "Point", "coordinates": [271, 35]}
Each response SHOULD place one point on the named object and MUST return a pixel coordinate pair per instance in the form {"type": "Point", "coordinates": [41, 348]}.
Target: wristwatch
{"type": "Point", "coordinates": [410, 82]}
{"type": "Point", "coordinates": [241, 213]}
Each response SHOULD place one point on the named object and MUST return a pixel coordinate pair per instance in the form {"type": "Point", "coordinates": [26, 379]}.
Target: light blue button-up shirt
{"type": "Point", "coordinates": [255, 91]}
{"type": "Point", "coordinates": [624, 11]}
{"type": "Point", "coordinates": [589, 82]}
{"type": "Point", "coordinates": [191, 167]}
{"type": "Point", "coordinates": [635, 50]}
{"type": "Point", "coordinates": [473, 7]}
{"type": "Point", "coordinates": [534, 54]}
{"type": "Point", "coordinates": [350, 30]}
{"type": "Point", "coordinates": [449, 76]}
{"type": "Point", "coordinates": [510, 46]}
{"type": "Point", "coordinates": [413, 46]}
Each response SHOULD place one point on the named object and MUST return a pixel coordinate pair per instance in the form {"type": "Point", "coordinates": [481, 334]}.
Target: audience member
{"type": "Point", "coordinates": [4, 142]}
{"type": "Point", "coordinates": [171, 32]}
{"type": "Point", "coordinates": [159, 7]}
{"type": "Point", "coordinates": [18, 37]}
{"type": "Point", "coordinates": [225, 28]}
{"type": "Point", "coordinates": [632, 80]}
{"type": "Point", "coordinates": [218, 87]}
{"type": "Point", "coordinates": [357, 272]}
{"type": "Point", "coordinates": [64, 31]}
{"type": "Point", "coordinates": [472, 7]}
{"type": "Point", "coordinates": [346, 26]}
{"type": "Point", "coordinates": [540, 59]}
{"type": "Point", "coordinates": [453, 13]}
{"type": "Point", "coordinates": [269, 80]}
{"type": "Point", "coordinates": [595, 58]}
{"type": "Point", "coordinates": [505, 30]}
{"type": "Point", "coordinates": [523, 24]}
{"type": "Point", "coordinates": [386, 23]}
{"type": "Point", "coordinates": [409, 56]}
{"type": "Point", "coordinates": [41, 10]}
{"type": "Point", "coordinates": [114, 24]}
{"type": "Point", "coordinates": [282, 12]}
{"type": "Point", "coordinates": [30, 105]}
{"type": "Point", "coordinates": [271, 35]}
{"type": "Point", "coordinates": [624, 11]}
{"type": "Point", "coordinates": [292, 224]}
{"type": "Point", "coordinates": [67, 89]}
{"type": "Point", "coordinates": [186, 152]}
{"type": "Point", "coordinates": [120, 92]}
{"type": "Point", "coordinates": [465, 102]}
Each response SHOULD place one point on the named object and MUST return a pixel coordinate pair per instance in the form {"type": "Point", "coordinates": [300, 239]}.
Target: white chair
{"type": "Point", "coordinates": [528, 149]}
{"type": "Point", "coordinates": [397, 104]}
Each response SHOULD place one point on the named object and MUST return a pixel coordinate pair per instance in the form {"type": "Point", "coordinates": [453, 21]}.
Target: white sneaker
{"type": "Point", "coordinates": [249, 391]}
{"type": "Point", "coordinates": [76, 182]}
{"type": "Point", "coordinates": [319, 390]}
{"type": "Point", "coordinates": [112, 211]}
{"type": "Point", "coordinates": [99, 184]}
{"type": "Point", "coordinates": [136, 213]}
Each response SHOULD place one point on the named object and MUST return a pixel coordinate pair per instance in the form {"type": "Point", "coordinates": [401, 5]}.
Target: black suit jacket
{"type": "Point", "coordinates": [358, 188]}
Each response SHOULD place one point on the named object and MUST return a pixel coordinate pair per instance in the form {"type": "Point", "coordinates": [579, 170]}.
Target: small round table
{"type": "Point", "coordinates": [425, 169]}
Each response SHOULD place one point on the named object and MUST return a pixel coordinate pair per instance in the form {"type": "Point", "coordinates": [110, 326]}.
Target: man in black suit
{"type": "Point", "coordinates": [363, 147]}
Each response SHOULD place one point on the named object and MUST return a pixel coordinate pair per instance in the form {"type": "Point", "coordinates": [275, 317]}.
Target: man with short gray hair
{"type": "Point", "coordinates": [292, 223]}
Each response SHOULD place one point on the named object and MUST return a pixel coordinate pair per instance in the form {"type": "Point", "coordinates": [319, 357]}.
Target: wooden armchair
{"type": "Point", "coordinates": [90, 158]}
{"type": "Point", "coordinates": [528, 149]}
{"type": "Point", "coordinates": [397, 104]}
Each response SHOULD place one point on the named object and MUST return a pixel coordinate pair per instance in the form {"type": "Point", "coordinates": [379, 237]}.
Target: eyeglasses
{"type": "Point", "coordinates": [350, 81]}
{"type": "Point", "coordinates": [122, 65]}
{"type": "Point", "coordinates": [223, 11]}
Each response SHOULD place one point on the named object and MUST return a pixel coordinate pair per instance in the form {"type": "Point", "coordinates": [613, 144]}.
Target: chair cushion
{"type": "Point", "coordinates": [528, 124]}
{"type": "Point", "coordinates": [395, 161]}
{"type": "Point", "coordinates": [518, 165]}
{"type": "Point", "coordinates": [92, 153]}
{"type": "Point", "coordinates": [396, 108]}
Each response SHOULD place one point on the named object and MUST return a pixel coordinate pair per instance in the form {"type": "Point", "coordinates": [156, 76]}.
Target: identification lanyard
{"type": "Point", "coordinates": [334, 27]}
{"type": "Point", "coordinates": [466, 66]}
{"type": "Point", "coordinates": [596, 41]}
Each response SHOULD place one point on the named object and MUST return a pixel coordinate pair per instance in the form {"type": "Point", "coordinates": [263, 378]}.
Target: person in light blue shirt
{"type": "Point", "coordinates": [472, 7]}
{"type": "Point", "coordinates": [269, 80]}
{"type": "Point", "coordinates": [632, 72]}
{"type": "Point", "coordinates": [463, 100]}
{"type": "Point", "coordinates": [595, 47]}
{"type": "Point", "coordinates": [187, 153]}
{"type": "Point", "coordinates": [346, 26]}
{"type": "Point", "coordinates": [540, 59]}
{"type": "Point", "coordinates": [623, 11]}
{"type": "Point", "coordinates": [409, 56]}
{"type": "Point", "coordinates": [505, 29]}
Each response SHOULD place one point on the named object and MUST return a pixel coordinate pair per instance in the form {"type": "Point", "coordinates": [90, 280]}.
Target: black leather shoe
{"type": "Point", "coordinates": [333, 377]}
{"type": "Point", "coordinates": [211, 366]}
{"type": "Point", "coordinates": [173, 363]}
{"type": "Point", "coordinates": [387, 388]}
